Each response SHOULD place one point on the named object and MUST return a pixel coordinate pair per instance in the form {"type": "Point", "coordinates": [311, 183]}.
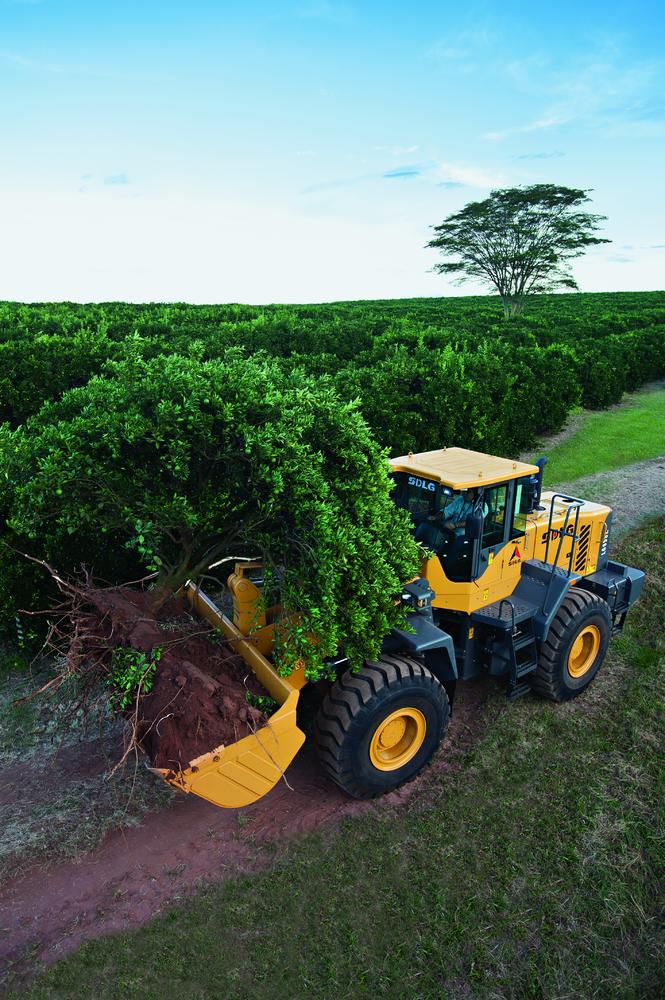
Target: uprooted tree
{"type": "Point", "coordinates": [519, 241]}
{"type": "Point", "coordinates": [184, 462]}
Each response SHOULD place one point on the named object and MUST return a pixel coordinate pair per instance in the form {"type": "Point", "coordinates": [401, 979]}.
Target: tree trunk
{"type": "Point", "coordinates": [168, 584]}
{"type": "Point", "coordinates": [512, 305]}
{"type": "Point", "coordinates": [173, 578]}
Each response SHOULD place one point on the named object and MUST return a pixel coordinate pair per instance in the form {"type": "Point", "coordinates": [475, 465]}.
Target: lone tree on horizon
{"type": "Point", "coordinates": [519, 241]}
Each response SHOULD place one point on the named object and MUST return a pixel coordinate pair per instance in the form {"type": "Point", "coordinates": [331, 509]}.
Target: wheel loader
{"type": "Point", "coordinates": [516, 584]}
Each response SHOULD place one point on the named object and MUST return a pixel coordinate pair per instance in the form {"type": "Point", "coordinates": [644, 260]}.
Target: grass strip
{"type": "Point", "coordinates": [611, 439]}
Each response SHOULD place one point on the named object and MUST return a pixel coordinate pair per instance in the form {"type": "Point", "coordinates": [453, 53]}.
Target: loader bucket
{"type": "Point", "coordinates": [242, 772]}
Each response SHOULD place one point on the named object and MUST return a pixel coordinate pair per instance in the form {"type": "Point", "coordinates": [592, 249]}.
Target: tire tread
{"type": "Point", "coordinates": [352, 694]}
{"type": "Point", "coordinates": [546, 680]}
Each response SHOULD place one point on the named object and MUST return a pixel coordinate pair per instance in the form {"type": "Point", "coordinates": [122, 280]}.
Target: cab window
{"type": "Point", "coordinates": [495, 515]}
{"type": "Point", "coordinates": [523, 494]}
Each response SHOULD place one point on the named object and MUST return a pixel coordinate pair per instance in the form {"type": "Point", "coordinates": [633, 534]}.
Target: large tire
{"type": "Point", "coordinates": [575, 646]}
{"type": "Point", "coordinates": [378, 727]}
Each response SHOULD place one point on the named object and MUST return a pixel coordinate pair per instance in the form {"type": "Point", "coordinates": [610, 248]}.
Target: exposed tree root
{"type": "Point", "coordinates": [189, 691]}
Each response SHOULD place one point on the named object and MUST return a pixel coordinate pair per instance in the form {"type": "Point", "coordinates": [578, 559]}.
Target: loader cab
{"type": "Point", "coordinates": [465, 506]}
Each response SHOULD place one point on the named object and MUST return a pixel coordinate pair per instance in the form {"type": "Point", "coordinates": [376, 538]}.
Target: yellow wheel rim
{"type": "Point", "coordinates": [583, 651]}
{"type": "Point", "coordinates": [397, 739]}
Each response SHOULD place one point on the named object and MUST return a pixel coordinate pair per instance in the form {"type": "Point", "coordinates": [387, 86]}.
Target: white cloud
{"type": "Point", "coordinates": [527, 70]}
{"type": "Point", "coordinates": [396, 150]}
{"type": "Point", "coordinates": [461, 45]}
{"type": "Point", "coordinates": [70, 69]}
{"type": "Point", "coordinates": [444, 174]}
{"type": "Point", "coordinates": [543, 155]}
{"type": "Point", "coordinates": [196, 249]}
{"type": "Point", "coordinates": [540, 125]}
{"type": "Point", "coordinates": [600, 90]}
{"type": "Point", "coordinates": [447, 53]}
{"type": "Point", "coordinates": [469, 176]}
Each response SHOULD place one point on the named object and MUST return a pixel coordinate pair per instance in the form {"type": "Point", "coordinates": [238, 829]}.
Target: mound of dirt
{"type": "Point", "coordinates": [198, 701]}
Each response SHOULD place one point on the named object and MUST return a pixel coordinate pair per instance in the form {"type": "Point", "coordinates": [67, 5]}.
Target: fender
{"type": "Point", "coordinates": [428, 641]}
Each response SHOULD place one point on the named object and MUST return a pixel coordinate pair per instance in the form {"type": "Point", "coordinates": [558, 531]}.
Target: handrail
{"type": "Point", "coordinates": [573, 537]}
{"type": "Point", "coordinates": [506, 600]}
{"type": "Point", "coordinates": [574, 504]}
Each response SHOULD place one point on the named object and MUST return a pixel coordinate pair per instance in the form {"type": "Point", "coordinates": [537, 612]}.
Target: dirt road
{"type": "Point", "coordinates": [633, 492]}
{"type": "Point", "coordinates": [135, 872]}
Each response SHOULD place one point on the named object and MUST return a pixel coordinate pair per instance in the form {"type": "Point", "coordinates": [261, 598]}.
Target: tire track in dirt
{"type": "Point", "coordinates": [135, 872]}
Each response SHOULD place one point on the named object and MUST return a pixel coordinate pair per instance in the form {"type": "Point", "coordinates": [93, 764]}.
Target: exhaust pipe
{"type": "Point", "coordinates": [535, 503]}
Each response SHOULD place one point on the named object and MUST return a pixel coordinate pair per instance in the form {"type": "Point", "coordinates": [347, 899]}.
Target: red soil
{"type": "Point", "coordinates": [198, 701]}
{"type": "Point", "coordinates": [197, 704]}
{"type": "Point", "coordinates": [134, 873]}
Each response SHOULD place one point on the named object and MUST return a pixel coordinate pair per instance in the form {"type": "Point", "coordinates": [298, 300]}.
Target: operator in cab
{"type": "Point", "coordinates": [458, 508]}
{"type": "Point", "coordinates": [448, 524]}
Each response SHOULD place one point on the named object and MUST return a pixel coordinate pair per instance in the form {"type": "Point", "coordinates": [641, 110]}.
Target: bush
{"type": "Point", "coordinates": [182, 462]}
{"type": "Point", "coordinates": [423, 372]}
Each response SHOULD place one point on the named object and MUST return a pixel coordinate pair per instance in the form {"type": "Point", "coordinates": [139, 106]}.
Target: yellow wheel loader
{"type": "Point", "coordinates": [517, 584]}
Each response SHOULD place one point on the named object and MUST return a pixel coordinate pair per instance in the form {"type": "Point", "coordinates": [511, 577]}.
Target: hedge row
{"type": "Point", "coordinates": [426, 372]}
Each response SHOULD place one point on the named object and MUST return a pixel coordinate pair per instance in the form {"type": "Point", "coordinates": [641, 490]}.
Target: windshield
{"type": "Point", "coordinates": [440, 515]}
{"type": "Point", "coordinates": [417, 495]}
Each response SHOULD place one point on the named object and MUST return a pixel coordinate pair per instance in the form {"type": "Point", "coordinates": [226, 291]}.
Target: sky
{"type": "Point", "coordinates": [300, 151]}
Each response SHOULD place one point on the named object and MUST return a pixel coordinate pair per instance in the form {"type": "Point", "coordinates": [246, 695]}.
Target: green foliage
{"type": "Point", "coordinates": [186, 461]}
{"type": "Point", "coordinates": [44, 366]}
{"type": "Point", "coordinates": [423, 372]}
{"type": "Point", "coordinates": [132, 672]}
{"type": "Point", "coordinates": [263, 702]}
{"type": "Point", "coordinates": [519, 241]}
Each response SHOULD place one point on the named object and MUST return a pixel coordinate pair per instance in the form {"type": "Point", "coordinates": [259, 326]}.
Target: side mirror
{"type": "Point", "coordinates": [473, 526]}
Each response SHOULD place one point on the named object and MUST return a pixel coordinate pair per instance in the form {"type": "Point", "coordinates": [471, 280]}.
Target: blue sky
{"type": "Point", "coordinates": [260, 152]}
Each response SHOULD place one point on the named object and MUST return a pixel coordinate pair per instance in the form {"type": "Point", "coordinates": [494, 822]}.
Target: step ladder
{"type": "Point", "coordinates": [508, 625]}
{"type": "Point", "coordinates": [523, 660]}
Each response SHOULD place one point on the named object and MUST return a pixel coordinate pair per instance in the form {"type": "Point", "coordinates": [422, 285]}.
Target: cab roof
{"type": "Point", "coordinates": [460, 468]}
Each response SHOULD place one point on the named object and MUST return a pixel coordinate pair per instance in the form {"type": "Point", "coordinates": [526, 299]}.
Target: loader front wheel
{"type": "Point", "coordinates": [377, 728]}
{"type": "Point", "coordinates": [575, 646]}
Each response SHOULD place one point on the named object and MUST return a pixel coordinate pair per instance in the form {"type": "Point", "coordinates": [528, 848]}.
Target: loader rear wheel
{"type": "Point", "coordinates": [575, 646]}
{"type": "Point", "coordinates": [378, 727]}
